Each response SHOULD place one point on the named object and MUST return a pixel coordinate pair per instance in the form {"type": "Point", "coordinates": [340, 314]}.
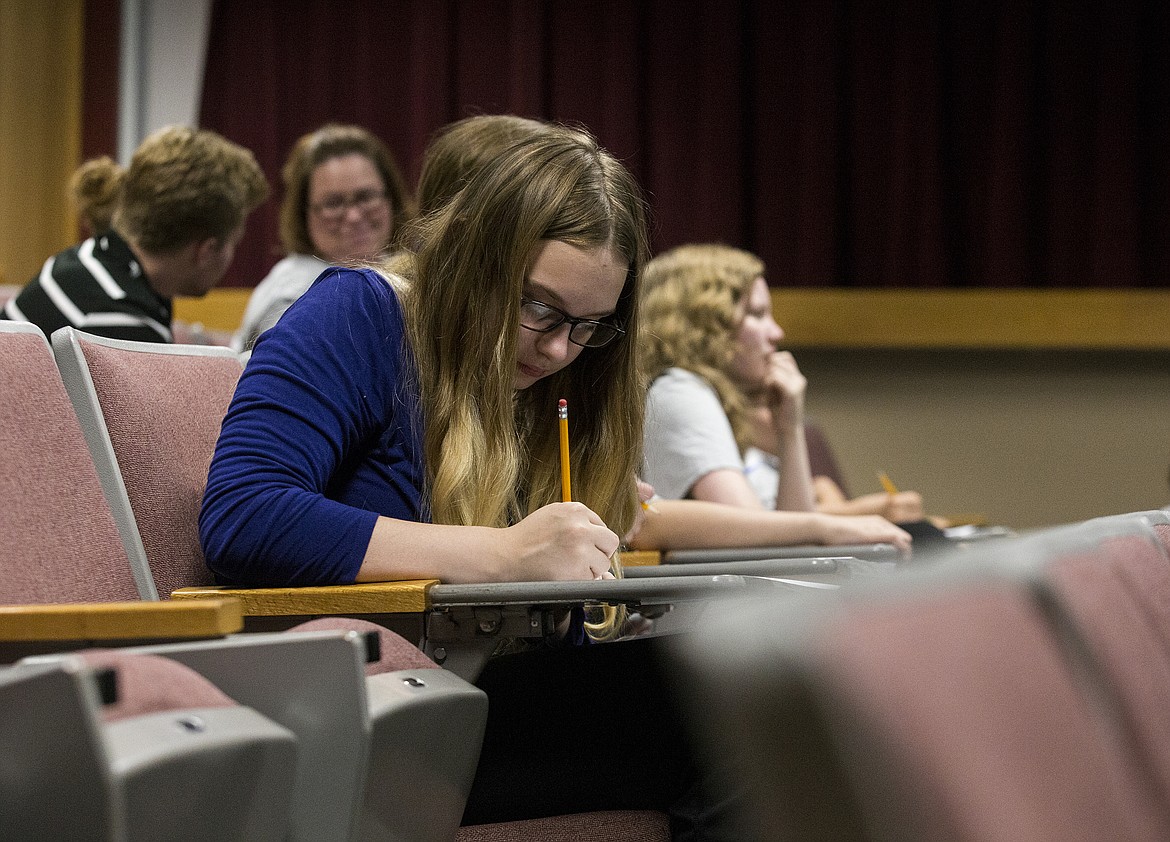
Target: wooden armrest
{"type": "Point", "coordinates": [405, 597]}
{"type": "Point", "coordinates": [965, 519]}
{"type": "Point", "coordinates": [120, 621]}
{"type": "Point", "coordinates": [641, 558]}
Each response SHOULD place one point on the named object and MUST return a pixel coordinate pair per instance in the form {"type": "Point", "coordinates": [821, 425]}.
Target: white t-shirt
{"type": "Point", "coordinates": [762, 470]}
{"type": "Point", "coordinates": [287, 281]}
{"type": "Point", "coordinates": [687, 434]}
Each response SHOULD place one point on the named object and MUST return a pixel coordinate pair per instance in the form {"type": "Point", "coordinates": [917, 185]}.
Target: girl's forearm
{"type": "Point", "coordinates": [795, 491]}
{"type": "Point", "coordinates": [400, 549]}
{"type": "Point", "coordinates": [692, 524]}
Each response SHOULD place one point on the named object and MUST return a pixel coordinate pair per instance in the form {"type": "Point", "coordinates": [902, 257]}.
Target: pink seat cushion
{"type": "Point", "coordinates": [59, 538]}
{"type": "Point", "coordinates": [1114, 594]}
{"type": "Point", "coordinates": [1163, 532]}
{"type": "Point", "coordinates": [163, 413]}
{"type": "Point", "coordinates": [966, 702]}
{"type": "Point", "coordinates": [611, 826]}
{"type": "Point", "coordinates": [397, 653]}
{"type": "Point", "coordinates": [1145, 570]}
{"type": "Point", "coordinates": [153, 684]}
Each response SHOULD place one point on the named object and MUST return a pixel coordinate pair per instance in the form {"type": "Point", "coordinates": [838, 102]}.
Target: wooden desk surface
{"type": "Point", "coordinates": [408, 596]}
{"type": "Point", "coordinates": [641, 558]}
{"type": "Point", "coordinates": [120, 620]}
{"type": "Point", "coordinates": [1121, 319]}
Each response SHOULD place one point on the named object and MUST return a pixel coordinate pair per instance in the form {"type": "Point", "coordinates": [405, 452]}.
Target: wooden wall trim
{"type": "Point", "coordinates": [1123, 319]}
{"type": "Point", "coordinates": [221, 309]}
{"type": "Point", "coordinates": [900, 318]}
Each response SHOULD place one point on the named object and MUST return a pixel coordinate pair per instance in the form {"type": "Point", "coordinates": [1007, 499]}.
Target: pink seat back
{"type": "Point", "coordinates": [942, 708]}
{"type": "Point", "coordinates": [1115, 593]}
{"type": "Point", "coordinates": [1137, 546]}
{"type": "Point", "coordinates": [993, 739]}
{"type": "Point", "coordinates": [1162, 530]}
{"type": "Point", "coordinates": [163, 413]}
{"type": "Point", "coordinates": [1143, 567]}
{"type": "Point", "coordinates": [59, 538]}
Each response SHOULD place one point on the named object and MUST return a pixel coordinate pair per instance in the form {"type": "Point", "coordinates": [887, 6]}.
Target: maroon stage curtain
{"type": "Point", "coordinates": [909, 143]}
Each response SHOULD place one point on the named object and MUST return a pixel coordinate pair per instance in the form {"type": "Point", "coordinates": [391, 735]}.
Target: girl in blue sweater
{"type": "Point", "coordinates": [404, 426]}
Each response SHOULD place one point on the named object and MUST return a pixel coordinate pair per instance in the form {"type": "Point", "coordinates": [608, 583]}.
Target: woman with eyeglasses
{"type": "Point", "coordinates": [460, 150]}
{"type": "Point", "coordinates": [344, 200]}
{"type": "Point", "coordinates": [400, 426]}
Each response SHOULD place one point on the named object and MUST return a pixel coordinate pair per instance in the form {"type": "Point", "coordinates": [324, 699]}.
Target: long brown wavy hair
{"type": "Point", "coordinates": [690, 309]}
{"type": "Point", "coordinates": [464, 147]}
{"type": "Point", "coordinates": [492, 452]}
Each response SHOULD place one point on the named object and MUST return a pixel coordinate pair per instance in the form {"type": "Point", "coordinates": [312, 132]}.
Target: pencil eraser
{"type": "Point", "coordinates": [562, 402]}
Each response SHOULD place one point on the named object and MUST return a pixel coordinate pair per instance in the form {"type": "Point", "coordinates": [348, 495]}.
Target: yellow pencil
{"type": "Point", "coordinates": [566, 484]}
{"type": "Point", "coordinates": [887, 483]}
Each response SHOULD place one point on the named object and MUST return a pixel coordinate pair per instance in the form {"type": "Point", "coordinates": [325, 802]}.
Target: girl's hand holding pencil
{"type": "Point", "coordinates": [567, 496]}
{"type": "Point", "coordinates": [900, 506]}
{"type": "Point", "coordinates": [645, 495]}
{"type": "Point", "coordinates": [558, 542]}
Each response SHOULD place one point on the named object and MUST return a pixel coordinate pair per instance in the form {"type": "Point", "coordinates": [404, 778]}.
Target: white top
{"type": "Point", "coordinates": [687, 434]}
{"type": "Point", "coordinates": [285, 283]}
{"type": "Point", "coordinates": [763, 474]}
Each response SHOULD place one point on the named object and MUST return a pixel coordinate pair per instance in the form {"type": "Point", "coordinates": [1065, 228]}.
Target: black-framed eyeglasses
{"type": "Point", "coordinates": [334, 207]}
{"type": "Point", "coordinates": [543, 318]}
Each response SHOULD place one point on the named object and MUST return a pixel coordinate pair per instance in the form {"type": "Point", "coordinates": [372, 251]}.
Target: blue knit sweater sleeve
{"type": "Point", "coordinates": [317, 396]}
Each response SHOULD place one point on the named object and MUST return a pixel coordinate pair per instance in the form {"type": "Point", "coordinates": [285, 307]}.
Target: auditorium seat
{"type": "Point", "coordinates": [388, 755]}
{"type": "Point", "coordinates": [426, 727]}
{"type": "Point", "coordinates": [63, 546]}
{"type": "Point", "coordinates": [170, 756]}
{"type": "Point", "coordinates": [49, 487]}
{"type": "Point", "coordinates": [1145, 571]}
{"type": "Point", "coordinates": [1107, 584]}
{"type": "Point", "coordinates": [152, 414]}
{"type": "Point", "coordinates": [151, 417]}
{"type": "Point", "coordinates": [313, 683]}
{"type": "Point", "coordinates": [1158, 519]}
{"type": "Point", "coordinates": [61, 543]}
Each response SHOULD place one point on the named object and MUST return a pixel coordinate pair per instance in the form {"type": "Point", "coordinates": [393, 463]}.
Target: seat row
{"type": "Point", "coordinates": [1016, 690]}
{"type": "Point", "coordinates": [151, 414]}
{"type": "Point", "coordinates": [341, 729]}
